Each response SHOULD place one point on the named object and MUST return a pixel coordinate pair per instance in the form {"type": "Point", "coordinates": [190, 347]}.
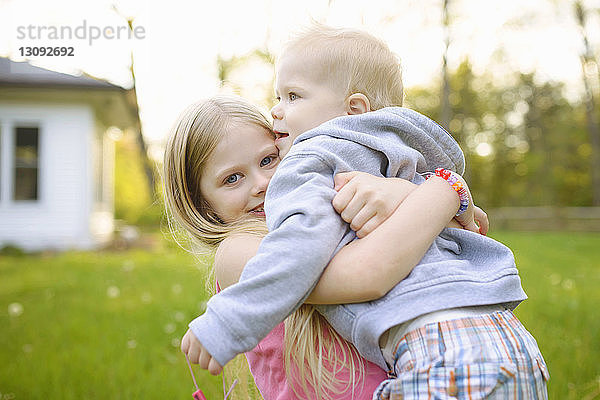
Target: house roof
{"type": "Point", "coordinates": [21, 74]}
{"type": "Point", "coordinates": [23, 82]}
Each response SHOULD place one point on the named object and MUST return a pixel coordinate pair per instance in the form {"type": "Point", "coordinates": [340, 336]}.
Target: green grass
{"type": "Point", "coordinates": [106, 325]}
{"type": "Point", "coordinates": [561, 274]}
{"type": "Point", "coordinates": [99, 325]}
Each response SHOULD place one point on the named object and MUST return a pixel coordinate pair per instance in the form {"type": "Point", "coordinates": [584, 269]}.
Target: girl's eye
{"type": "Point", "coordinates": [231, 179]}
{"type": "Point", "coordinates": [266, 161]}
{"type": "Point", "coordinates": [292, 96]}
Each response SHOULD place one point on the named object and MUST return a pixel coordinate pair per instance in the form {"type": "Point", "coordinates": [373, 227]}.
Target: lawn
{"type": "Point", "coordinates": [106, 325]}
{"type": "Point", "coordinates": [561, 275]}
{"type": "Point", "coordinates": [99, 325]}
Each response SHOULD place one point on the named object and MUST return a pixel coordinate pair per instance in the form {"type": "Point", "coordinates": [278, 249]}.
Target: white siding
{"type": "Point", "coordinates": [60, 217]}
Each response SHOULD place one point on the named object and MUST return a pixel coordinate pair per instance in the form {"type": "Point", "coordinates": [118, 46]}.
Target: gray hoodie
{"type": "Point", "coordinates": [460, 269]}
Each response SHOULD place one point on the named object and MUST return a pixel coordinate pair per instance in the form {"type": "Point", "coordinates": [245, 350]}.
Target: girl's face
{"type": "Point", "coordinates": [236, 174]}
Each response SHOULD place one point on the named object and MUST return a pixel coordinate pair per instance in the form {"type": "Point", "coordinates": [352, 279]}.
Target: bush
{"type": "Point", "coordinates": [12, 250]}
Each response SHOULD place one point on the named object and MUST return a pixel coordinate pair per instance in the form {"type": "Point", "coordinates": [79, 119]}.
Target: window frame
{"type": "Point", "coordinates": [8, 138]}
{"type": "Point", "coordinates": [14, 167]}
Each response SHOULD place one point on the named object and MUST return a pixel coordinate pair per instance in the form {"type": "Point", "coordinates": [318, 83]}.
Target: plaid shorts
{"type": "Point", "coordinates": [490, 356]}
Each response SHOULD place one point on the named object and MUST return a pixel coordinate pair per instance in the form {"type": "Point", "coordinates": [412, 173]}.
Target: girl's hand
{"type": "Point", "coordinates": [474, 218]}
{"type": "Point", "coordinates": [197, 354]}
{"type": "Point", "coordinates": [365, 201]}
{"type": "Point", "coordinates": [482, 220]}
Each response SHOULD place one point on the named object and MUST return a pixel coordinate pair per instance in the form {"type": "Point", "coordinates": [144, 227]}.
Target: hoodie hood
{"type": "Point", "coordinates": [381, 129]}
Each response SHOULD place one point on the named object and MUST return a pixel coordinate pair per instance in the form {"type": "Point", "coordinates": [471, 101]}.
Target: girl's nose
{"type": "Point", "coordinates": [261, 182]}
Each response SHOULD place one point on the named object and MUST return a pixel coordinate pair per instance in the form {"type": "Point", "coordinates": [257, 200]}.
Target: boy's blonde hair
{"type": "Point", "coordinates": [310, 356]}
{"type": "Point", "coordinates": [354, 61]}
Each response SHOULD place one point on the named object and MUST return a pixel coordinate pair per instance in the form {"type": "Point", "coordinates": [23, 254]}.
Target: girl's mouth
{"type": "Point", "coordinates": [258, 210]}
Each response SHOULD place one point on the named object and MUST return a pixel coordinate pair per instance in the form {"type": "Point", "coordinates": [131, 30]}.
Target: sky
{"type": "Point", "coordinates": [177, 42]}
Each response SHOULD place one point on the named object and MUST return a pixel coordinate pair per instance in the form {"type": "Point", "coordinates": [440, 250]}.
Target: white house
{"type": "Point", "coordinates": [57, 157]}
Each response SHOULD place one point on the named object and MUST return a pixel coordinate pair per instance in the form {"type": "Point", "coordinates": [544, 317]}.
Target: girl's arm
{"type": "Point", "coordinates": [232, 255]}
{"type": "Point", "coordinates": [371, 266]}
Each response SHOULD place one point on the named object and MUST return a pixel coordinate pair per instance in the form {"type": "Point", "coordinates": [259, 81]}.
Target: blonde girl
{"type": "Point", "coordinates": [218, 162]}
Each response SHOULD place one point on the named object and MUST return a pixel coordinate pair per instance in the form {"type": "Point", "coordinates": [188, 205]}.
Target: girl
{"type": "Point", "coordinates": [218, 162]}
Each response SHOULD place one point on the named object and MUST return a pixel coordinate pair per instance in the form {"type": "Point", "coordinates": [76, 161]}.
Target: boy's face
{"type": "Point", "coordinates": [306, 99]}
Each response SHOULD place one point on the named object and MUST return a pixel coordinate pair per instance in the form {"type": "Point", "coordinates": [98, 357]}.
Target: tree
{"type": "Point", "coordinates": [446, 112]}
{"type": "Point", "coordinates": [588, 65]}
{"type": "Point", "coordinates": [132, 102]}
{"type": "Point", "coordinates": [524, 143]}
{"type": "Point", "coordinates": [233, 73]}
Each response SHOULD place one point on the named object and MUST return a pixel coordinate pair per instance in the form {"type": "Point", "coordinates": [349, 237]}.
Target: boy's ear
{"type": "Point", "coordinates": [357, 103]}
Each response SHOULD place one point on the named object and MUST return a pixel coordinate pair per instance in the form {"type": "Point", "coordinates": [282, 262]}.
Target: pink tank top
{"type": "Point", "coordinates": [266, 366]}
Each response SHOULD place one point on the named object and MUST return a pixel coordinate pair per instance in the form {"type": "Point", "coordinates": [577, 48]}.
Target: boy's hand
{"type": "Point", "coordinates": [197, 354]}
{"type": "Point", "coordinates": [365, 201]}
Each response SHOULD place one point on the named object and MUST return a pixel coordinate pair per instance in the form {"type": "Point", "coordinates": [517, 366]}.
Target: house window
{"type": "Point", "coordinates": [26, 164]}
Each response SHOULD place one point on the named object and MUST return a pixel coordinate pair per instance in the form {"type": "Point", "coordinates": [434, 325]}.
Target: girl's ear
{"type": "Point", "coordinates": [357, 103]}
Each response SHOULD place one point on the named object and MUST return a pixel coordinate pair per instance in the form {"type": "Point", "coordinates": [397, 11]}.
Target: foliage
{"type": "Point", "coordinates": [11, 250]}
{"type": "Point", "coordinates": [133, 202]}
{"type": "Point", "coordinates": [106, 325]}
{"type": "Point", "coordinates": [524, 143]}
{"type": "Point", "coordinates": [250, 76]}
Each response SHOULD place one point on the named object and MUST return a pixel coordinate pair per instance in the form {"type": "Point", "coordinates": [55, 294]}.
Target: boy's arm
{"type": "Point", "coordinates": [305, 231]}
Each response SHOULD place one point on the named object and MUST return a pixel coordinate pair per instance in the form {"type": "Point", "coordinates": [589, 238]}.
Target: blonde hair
{"type": "Point", "coordinates": [309, 344]}
{"type": "Point", "coordinates": [354, 60]}
{"type": "Point", "coordinates": [314, 354]}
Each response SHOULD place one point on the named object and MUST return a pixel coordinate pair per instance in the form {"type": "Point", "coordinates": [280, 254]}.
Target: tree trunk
{"type": "Point", "coordinates": [588, 59]}
{"type": "Point", "coordinates": [446, 112]}
{"type": "Point", "coordinates": [143, 149]}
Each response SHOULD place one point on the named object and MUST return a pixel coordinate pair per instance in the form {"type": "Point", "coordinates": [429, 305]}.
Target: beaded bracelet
{"type": "Point", "coordinates": [456, 184]}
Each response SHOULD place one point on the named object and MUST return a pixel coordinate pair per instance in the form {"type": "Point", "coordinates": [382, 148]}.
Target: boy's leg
{"type": "Point", "coordinates": [488, 356]}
